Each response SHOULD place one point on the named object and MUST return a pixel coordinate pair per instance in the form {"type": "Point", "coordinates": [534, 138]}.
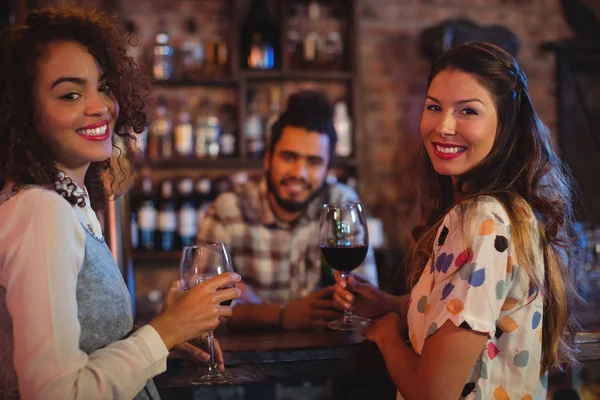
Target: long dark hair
{"type": "Point", "coordinates": [24, 158]}
{"type": "Point", "coordinates": [523, 167]}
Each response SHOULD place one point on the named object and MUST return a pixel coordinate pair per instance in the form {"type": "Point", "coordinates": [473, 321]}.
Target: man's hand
{"type": "Point", "coordinates": [315, 310]}
{"type": "Point", "coordinates": [248, 295]}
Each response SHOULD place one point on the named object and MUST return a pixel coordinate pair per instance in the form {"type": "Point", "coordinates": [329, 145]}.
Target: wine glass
{"type": "Point", "coordinates": [344, 240]}
{"type": "Point", "coordinates": [198, 264]}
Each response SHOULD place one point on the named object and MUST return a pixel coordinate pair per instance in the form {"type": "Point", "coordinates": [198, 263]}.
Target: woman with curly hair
{"type": "Point", "coordinates": [67, 90]}
{"type": "Point", "coordinates": [492, 300]}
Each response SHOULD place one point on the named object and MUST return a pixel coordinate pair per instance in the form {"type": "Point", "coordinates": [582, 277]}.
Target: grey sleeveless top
{"type": "Point", "coordinates": [104, 313]}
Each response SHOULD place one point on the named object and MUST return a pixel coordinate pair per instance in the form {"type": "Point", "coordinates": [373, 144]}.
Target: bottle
{"type": "Point", "coordinates": [334, 50]}
{"type": "Point", "coordinates": [134, 49]}
{"type": "Point", "coordinates": [343, 128]}
{"type": "Point", "coordinates": [161, 136]}
{"type": "Point", "coordinates": [183, 133]}
{"type": "Point", "coordinates": [312, 41]}
{"type": "Point", "coordinates": [134, 231]}
{"type": "Point", "coordinates": [187, 215]}
{"type": "Point", "coordinates": [208, 132]}
{"type": "Point", "coordinates": [147, 215]}
{"type": "Point", "coordinates": [204, 196]}
{"type": "Point", "coordinates": [228, 131]}
{"type": "Point", "coordinates": [192, 53]}
{"type": "Point", "coordinates": [259, 39]}
{"type": "Point", "coordinates": [221, 47]}
{"type": "Point", "coordinates": [274, 110]}
{"type": "Point", "coordinates": [167, 217]}
{"type": "Point", "coordinates": [293, 44]}
{"type": "Point", "coordinates": [162, 63]}
{"type": "Point", "coordinates": [253, 129]}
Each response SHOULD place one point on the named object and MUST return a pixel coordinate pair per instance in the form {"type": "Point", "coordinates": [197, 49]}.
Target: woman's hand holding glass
{"type": "Point", "coordinates": [195, 312]}
{"type": "Point", "coordinates": [364, 299]}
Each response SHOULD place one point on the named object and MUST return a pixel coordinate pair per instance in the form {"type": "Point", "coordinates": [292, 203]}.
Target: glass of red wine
{"type": "Point", "coordinates": [344, 241]}
{"type": "Point", "coordinates": [198, 264]}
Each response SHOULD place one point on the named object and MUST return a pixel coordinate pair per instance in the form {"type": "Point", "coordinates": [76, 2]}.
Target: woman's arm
{"type": "Point", "coordinates": [444, 366]}
{"type": "Point", "coordinates": [42, 246]}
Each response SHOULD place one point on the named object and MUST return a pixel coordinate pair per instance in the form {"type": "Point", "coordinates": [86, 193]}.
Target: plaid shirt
{"type": "Point", "coordinates": [280, 261]}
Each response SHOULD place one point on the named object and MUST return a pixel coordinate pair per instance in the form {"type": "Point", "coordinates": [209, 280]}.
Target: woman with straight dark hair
{"type": "Point", "coordinates": [68, 89]}
{"type": "Point", "coordinates": [491, 264]}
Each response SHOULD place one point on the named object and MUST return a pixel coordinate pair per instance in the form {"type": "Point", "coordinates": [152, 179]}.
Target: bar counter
{"type": "Point", "coordinates": [292, 357]}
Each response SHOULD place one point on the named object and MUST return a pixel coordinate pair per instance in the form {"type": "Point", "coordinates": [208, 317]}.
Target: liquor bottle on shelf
{"type": "Point", "coordinates": [336, 38]}
{"type": "Point", "coordinates": [343, 128]}
{"type": "Point", "coordinates": [253, 128]}
{"type": "Point", "coordinates": [221, 46]}
{"type": "Point", "coordinates": [192, 53]}
{"type": "Point", "coordinates": [221, 185]}
{"type": "Point", "coordinates": [183, 132]}
{"type": "Point", "coordinates": [208, 131]}
{"type": "Point", "coordinates": [274, 110]}
{"type": "Point", "coordinates": [187, 215]}
{"type": "Point", "coordinates": [147, 215]}
{"type": "Point", "coordinates": [259, 39]}
{"type": "Point", "coordinates": [134, 232]}
{"type": "Point", "coordinates": [334, 50]}
{"type": "Point", "coordinates": [313, 41]}
{"type": "Point", "coordinates": [162, 62]}
{"type": "Point", "coordinates": [160, 144]}
{"type": "Point", "coordinates": [134, 49]}
{"type": "Point", "coordinates": [293, 44]}
{"type": "Point", "coordinates": [137, 145]}
{"type": "Point", "coordinates": [167, 216]}
{"type": "Point", "coordinates": [204, 196]}
{"type": "Point", "coordinates": [228, 131]}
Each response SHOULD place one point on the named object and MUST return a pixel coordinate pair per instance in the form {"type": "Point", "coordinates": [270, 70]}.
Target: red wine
{"type": "Point", "coordinates": [226, 302]}
{"type": "Point", "coordinates": [344, 258]}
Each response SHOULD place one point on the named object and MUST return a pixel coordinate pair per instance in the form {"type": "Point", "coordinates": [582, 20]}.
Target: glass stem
{"type": "Point", "coordinates": [347, 313]}
{"type": "Point", "coordinates": [212, 365]}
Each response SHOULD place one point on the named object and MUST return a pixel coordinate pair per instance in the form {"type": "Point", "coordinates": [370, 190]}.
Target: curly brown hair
{"type": "Point", "coordinates": [24, 158]}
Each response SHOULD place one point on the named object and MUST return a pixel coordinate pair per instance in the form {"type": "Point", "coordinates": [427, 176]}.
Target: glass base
{"type": "Point", "coordinates": [210, 378]}
{"type": "Point", "coordinates": [353, 323]}
{"type": "Point", "coordinates": [230, 377]}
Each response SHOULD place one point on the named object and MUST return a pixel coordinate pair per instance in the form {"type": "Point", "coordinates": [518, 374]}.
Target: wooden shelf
{"type": "Point", "coordinates": [204, 82]}
{"type": "Point", "coordinates": [217, 163]}
{"type": "Point", "coordinates": [308, 75]}
{"type": "Point", "coordinates": [226, 163]}
{"type": "Point", "coordinates": [156, 257]}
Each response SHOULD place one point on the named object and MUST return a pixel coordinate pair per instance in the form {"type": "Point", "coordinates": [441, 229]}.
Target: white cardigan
{"type": "Point", "coordinates": [42, 247]}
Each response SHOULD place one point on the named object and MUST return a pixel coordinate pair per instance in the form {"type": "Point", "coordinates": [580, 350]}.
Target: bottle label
{"type": "Point", "coordinates": [227, 144]}
{"type": "Point", "coordinates": [188, 221]}
{"type": "Point", "coordinates": [183, 139]}
{"type": "Point", "coordinates": [135, 236]}
{"type": "Point", "coordinates": [147, 218]}
{"type": "Point", "coordinates": [167, 221]}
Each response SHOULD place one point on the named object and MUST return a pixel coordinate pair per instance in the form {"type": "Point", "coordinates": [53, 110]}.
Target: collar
{"type": "Point", "coordinates": [70, 186]}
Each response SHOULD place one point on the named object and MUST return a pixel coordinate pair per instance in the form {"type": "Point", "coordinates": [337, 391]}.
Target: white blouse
{"type": "Point", "coordinates": [42, 245]}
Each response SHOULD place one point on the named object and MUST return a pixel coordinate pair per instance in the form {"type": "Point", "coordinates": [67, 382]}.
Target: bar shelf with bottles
{"type": "Point", "coordinates": [222, 71]}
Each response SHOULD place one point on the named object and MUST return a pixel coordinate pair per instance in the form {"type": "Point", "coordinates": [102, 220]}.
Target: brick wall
{"type": "Point", "coordinates": [394, 83]}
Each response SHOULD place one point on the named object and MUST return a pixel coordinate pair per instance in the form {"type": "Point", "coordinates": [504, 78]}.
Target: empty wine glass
{"type": "Point", "coordinates": [198, 264]}
{"type": "Point", "coordinates": [344, 241]}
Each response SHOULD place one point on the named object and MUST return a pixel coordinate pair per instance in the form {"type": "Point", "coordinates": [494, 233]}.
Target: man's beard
{"type": "Point", "coordinates": [291, 205]}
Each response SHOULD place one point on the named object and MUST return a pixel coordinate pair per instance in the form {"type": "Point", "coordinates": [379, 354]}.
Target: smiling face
{"type": "Point", "coordinates": [459, 123]}
{"type": "Point", "coordinates": [297, 168]}
{"type": "Point", "coordinates": [76, 110]}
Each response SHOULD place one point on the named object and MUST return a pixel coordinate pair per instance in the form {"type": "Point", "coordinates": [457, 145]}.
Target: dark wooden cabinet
{"type": "Point", "coordinates": [578, 95]}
